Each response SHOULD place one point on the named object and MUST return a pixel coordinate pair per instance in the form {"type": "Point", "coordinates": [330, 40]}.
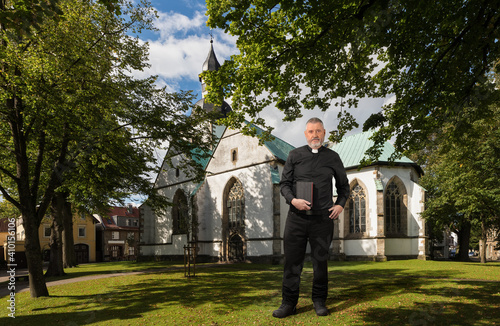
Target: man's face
{"type": "Point", "coordinates": [315, 134]}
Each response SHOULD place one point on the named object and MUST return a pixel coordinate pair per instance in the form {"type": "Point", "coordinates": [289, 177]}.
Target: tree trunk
{"type": "Point", "coordinates": [463, 241]}
{"type": "Point", "coordinates": [55, 263]}
{"type": "Point", "coordinates": [38, 288]}
{"type": "Point", "coordinates": [56, 255]}
{"type": "Point", "coordinates": [69, 256]}
{"type": "Point", "coordinates": [482, 242]}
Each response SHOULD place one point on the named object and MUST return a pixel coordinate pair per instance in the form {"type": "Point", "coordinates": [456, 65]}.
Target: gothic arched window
{"type": "Point", "coordinates": [235, 204]}
{"type": "Point", "coordinates": [394, 209]}
{"type": "Point", "coordinates": [180, 213]}
{"type": "Point", "coordinates": [357, 210]}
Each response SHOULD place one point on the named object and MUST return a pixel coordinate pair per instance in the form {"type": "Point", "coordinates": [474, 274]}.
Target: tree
{"type": "Point", "coordinates": [27, 15]}
{"type": "Point", "coordinates": [433, 57]}
{"type": "Point", "coordinates": [69, 107]}
{"type": "Point", "coordinates": [461, 179]}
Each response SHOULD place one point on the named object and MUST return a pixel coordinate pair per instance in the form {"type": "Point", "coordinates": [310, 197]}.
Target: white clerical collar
{"type": "Point", "coordinates": [314, 150]}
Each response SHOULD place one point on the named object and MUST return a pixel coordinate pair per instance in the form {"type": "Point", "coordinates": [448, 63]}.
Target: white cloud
{"type": "Point", "coordinates": [175, 23]}
{"type": "Point", "coordinates": [176, 56]}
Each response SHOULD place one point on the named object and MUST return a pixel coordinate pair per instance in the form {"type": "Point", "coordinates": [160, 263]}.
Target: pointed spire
{"type": "Point", "coordinates": [211, 63]}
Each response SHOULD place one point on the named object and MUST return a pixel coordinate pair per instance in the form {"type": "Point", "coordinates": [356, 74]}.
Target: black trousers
{"type": "Point", "coordinates": [299, 229]}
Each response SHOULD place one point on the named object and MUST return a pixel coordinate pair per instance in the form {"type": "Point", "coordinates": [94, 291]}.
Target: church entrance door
{"type": "Point", "coordinates": [236, 252]}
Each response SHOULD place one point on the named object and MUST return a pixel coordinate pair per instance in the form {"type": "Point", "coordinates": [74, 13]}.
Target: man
{"type": "Point", "coordinates": [310, 220]}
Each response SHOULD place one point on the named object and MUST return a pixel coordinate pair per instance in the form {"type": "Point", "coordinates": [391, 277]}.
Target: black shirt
{"type": "Point", "coordinates": [320, 168]}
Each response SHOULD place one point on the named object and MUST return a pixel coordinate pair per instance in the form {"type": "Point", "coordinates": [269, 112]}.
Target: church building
{"type": "Point", "coordinates": [238, 214]}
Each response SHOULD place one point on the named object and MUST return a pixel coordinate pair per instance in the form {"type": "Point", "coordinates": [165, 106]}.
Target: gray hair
{"type": "Point", "coordinates": [314, 120]}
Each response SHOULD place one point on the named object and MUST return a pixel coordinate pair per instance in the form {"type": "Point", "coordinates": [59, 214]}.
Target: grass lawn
{"type": "Point", "coordinates": [409, 292]}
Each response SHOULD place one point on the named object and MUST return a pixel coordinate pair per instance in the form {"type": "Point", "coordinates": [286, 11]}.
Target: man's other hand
{"type": "Point", "coordinates": [335, 211]}
{"type": "Point", "coordinates": [301, 204]}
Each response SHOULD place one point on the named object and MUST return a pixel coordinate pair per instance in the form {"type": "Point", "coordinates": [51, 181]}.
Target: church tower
{"type": "Point", "coordinates": [211, 64]}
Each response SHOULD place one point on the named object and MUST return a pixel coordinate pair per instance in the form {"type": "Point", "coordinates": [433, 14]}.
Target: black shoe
{"type": "Point", "coordinates": [320, 308]}
{"type": "Point", "coordinates": [284, 310]}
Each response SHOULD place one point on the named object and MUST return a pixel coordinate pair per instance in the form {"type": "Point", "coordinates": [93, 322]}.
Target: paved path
{"type": "Point", "coordinates": [23, 284]}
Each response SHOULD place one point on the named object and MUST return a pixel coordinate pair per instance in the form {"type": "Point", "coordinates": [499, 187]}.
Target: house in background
{"type": "Point", "coordinates": [446, 248]}
{"type": "Point", "coordinates": [492, 243]}
{"type": "Point", "coordinates": [118, 233]}
{"type": "Point", "coordinates": [84, 237]}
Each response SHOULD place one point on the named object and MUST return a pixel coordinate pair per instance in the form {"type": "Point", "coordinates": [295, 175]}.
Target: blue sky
{"type": "Point", "coordinates": [179, 48]}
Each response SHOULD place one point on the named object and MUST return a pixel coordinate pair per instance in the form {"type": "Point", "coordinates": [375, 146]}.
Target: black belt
{"type": "Point", "coordinates": [310, 212]}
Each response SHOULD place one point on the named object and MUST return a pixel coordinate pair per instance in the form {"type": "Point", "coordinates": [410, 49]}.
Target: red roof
{"type": "Point", "coordinates": [109, 222]}
{"type": "Point", "coordinates": [124, 211]}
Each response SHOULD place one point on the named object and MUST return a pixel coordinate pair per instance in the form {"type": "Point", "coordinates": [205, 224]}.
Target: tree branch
{"type": "Point", "coordinates": [7, 197]}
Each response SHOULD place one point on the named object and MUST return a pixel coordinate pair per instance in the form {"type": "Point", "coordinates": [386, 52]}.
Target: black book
{"type": "Point", "coordinates": [304, 190]}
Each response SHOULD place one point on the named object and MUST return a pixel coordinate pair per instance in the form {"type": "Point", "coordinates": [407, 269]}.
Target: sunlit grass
{"type": "Point", "coordinates": [409, 292]}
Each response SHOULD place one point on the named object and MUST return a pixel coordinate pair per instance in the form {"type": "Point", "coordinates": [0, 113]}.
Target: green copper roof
{"type": "Point", "coordinates": [277, 146]}
{"type": "Point", "coordinates": [217, 131]}
{"type": "Point", "coordinates": [275, 175]}
{"type": "Point", "coordinates": [352, 150]}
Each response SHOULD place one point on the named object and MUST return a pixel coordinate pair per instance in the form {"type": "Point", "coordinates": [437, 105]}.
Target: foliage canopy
{"type": "Point", "coordinates": [433, 57]}
{"type": "Point", "coordinates": [72, 116]}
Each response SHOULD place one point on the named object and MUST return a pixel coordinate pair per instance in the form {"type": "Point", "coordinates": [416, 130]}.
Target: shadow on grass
{"type": "Point", "coordinates": [223, 292]}
{"type": "Point", "coordinates": [417, 301]}
{"type": "Point", "coordinates": [113, 267]}
{"type": "Point", "coordinates": [460, 303]}
{"type": "Point", "coordinates": [216, 291]}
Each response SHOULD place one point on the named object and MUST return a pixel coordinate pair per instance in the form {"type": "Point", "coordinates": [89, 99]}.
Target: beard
{"type": "Point", "coordinates": [315, 143]}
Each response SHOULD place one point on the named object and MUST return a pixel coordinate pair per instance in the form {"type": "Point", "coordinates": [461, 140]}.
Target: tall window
{"type": "Point", "coordinates": [233, 222]}
{"type": "Point", "coordinates": [235, 202]}
{"type": "Point", "coordinates": [357, 210]}
{"type": "Point", "coordinates": [393, 209]}
{"type": "Point", "coordinates": [180, 213]}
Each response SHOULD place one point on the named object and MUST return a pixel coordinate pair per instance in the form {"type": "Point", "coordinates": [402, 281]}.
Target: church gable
{"type": "Point", "coordinates": [171, 175]}
{"type": "Point", "coordinates": [235, 151]}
